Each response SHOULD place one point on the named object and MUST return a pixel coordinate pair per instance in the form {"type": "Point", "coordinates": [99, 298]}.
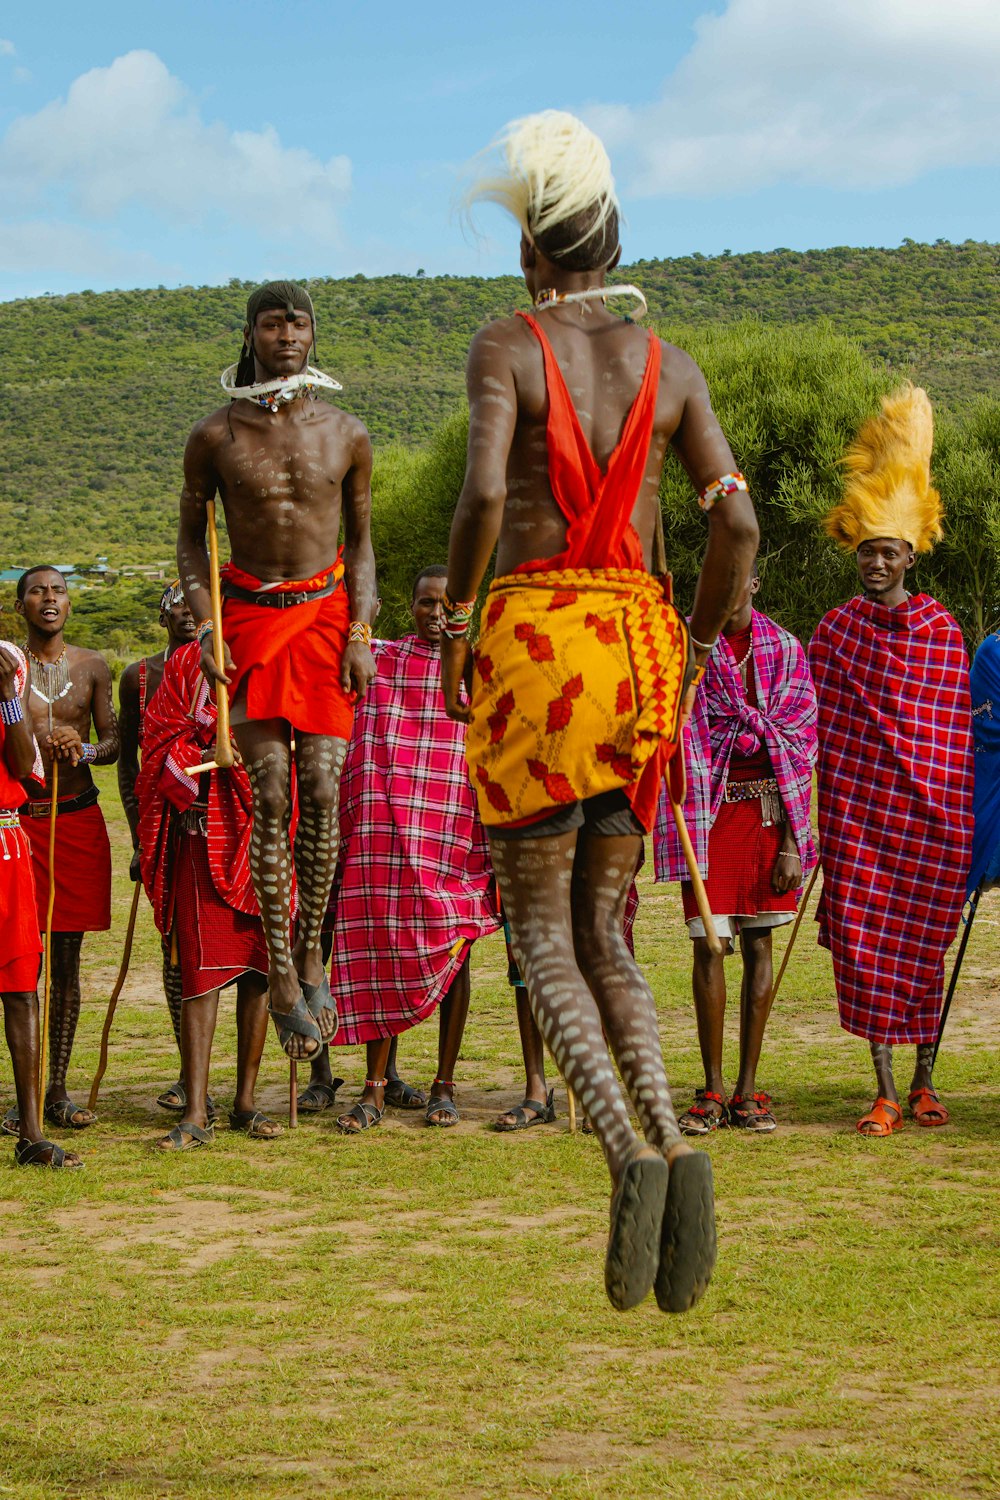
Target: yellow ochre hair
{"type": "Point", "coordinates": [888, 490]}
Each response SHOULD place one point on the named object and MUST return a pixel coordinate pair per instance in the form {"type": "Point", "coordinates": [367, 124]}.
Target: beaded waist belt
{"type": "Point", "coordinates": [746, 791]}
{"type": "Point", "coordinates": [274, 598]}
{"type": "Point", "coordinates": [9, 819]}
{"type": "Point", "coordinates": [41, 809]}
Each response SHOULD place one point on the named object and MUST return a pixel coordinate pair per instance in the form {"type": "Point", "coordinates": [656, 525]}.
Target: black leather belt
{"type": "Point", "coordinates": [274, 599]}
{"type": "Point", "coordinates": [39, 809]}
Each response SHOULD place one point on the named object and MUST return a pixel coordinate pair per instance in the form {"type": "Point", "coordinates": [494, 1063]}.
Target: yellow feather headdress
{"type": "Point", "coordinates": [888, 491]}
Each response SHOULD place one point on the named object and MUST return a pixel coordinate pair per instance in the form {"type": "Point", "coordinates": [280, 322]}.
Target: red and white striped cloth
{"type": "Point", "coordinates": [414, 885]}
{"type": "Point", "coordinates": [895, 784]}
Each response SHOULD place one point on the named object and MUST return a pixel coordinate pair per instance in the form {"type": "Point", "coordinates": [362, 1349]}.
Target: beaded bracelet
{"type": "Point", "coordinates": [729, 484]}
{"type": "Point", "coordinates": [88, 753]}
{"type": "Point", "coordinates": [11, 711]}
{"type": "Point", "coordinates": [360, 632]}
{"type": "Point", "coordinates": [205, 628]}
{"type": "Point", "coordinates": [457, 617]}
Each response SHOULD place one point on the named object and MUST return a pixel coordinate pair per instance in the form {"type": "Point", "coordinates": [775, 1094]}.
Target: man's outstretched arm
{"type": "Point", "coordinates": [358, 667]}
{"type": "Point", "coordinates": [479, 512]}
{"type": "Point", "coordinates": [733, 535]}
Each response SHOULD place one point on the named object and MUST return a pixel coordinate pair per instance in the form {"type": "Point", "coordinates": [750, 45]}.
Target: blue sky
{"type": "Point", "coordinates": [145, 143]}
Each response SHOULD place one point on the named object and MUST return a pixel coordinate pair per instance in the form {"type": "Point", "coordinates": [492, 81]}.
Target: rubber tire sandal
{"type": "Point", "coordinates": [180, 1093]}
{"type": "Point", "coordinates": [438, 1105]}
{"type": "Point", "coordinates": [249, 1121]}
{"type": "Point", "coordinates": [319, 999]}
{"type": "Point", "coordinates": [689, 1246]}
{"type": "Point", "coordinates": [199, 1137]}
{"type": "Point", "coordinates": [400, 1095]}
{"type": "Point", "coordinates": [636, 1225]}
{"type": "Point", "coordinates": [318, 1096]}
{"type": "Point", "coordinates": [297, 1022]}
{"type": "Point", "coordinates": [64, 1112]}
{"type": "Point", "coordinates": [752, 1114]}
{"type": "Point", "coordinates": [30, 1153]}
{"type": "Point", "coordinates": [928, 1109]}
{"type": "Point", "coordinates": [11, 1123]}
{"type": "Point", "coordinates": [881, 1119]}
{"type": "Point", "coordinates": [699, 1119]}
{"type": "Point", "coordinates": [544, 1114]}
{"type": "Point", "coordinates": [367, 1116]}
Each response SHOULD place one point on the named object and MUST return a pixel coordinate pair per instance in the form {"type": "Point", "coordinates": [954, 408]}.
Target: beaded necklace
{"type": "Point", "coordinates": [549, 297]}
{"type": "Point", "coordinates": [272, 394]}
{"type": "Point", "coordinates": [50, 680]}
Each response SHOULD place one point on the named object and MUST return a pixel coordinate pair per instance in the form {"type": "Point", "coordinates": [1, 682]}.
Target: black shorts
{"type": "Point", "coordinates": [609, 815]}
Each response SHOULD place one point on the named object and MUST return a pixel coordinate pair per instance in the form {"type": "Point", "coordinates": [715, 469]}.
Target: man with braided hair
{"type": "Point", "coordinates": [297, 614]}
{"type": "Point", "coordinates": [139, 682]}
{"type": "Point", "coordinates": [576, 692]}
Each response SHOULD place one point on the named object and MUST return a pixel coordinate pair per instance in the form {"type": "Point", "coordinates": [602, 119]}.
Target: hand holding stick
{"type": "Point", "coordinates": [794, 932]}
{"type": "Point", "coordinates": [223, 749]}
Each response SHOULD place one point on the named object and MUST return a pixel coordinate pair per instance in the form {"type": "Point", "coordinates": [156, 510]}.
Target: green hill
{"type": "Point", "coordinates": [99, 390]}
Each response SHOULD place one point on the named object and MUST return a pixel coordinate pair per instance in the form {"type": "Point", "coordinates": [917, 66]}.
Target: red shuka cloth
{"type": "Point", "coordinates": [414, 885]}
{"type": "Point", "coordinates": [895, 780]}
{"type": "Point", "coordinates": [598, 506]}
{"type": "Point", "coordinates": [82, 869]}
{"type": "Point", "coordinates": [216, 945]}
{"type": "Point", "coordinates": [178, 728]}
{"type": "Point", "coordinates": [290, 658]}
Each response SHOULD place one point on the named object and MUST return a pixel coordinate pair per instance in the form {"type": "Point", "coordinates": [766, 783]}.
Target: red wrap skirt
{"type": "Point", "coordinates": [21, 943]}
{"type": "Point", "coordinates": [741, 859]}
{"type": "Point", "coordinates": [216, 945]}
{"type": "Point", "coordinates": [82, 869]}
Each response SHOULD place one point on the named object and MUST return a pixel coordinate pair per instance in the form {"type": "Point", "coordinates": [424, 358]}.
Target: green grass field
{"type": "Point", "coordinates": [416, 1313]}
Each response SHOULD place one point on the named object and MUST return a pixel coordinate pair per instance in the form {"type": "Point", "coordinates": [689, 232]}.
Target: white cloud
{"type": "Point", "coordinates": [7, 49]}
{"type": "Point", "coordinates": [131, 136]}
{"type": "Point", "coordinates": [842, 94]}
{"type": "Point", "coordinates": [42, 249]}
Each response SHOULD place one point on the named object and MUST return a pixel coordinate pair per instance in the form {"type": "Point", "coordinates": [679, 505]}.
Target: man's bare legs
{"type": "Point", "coordinates": [21, 1029]}
{"type": "Point", "coordinates": [533, 1052]}
{"type": "Point", "coordinates": [64, 1014]}
{"type": "Point", "coordinates": [708, 982]}
{"type": "Point", "coordinates": [452, 1015]}
{"type": "Point", "coordinates": [924, 1111]}
{"type": "Point", "coordinates": [198, 1022]}
{"type": "Point", "coordinates": [371, 1106]}
{"type": "Point", "coordinates": [319, 761]}
{"type": "Point", "coordinates": [174, 1096]}
{"type": "Point", "coordinates": [565, 898]}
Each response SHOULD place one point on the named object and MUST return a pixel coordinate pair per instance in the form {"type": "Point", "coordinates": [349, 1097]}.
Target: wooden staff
{"type": "Point", "coordinates": [43, 1050]}
{"type": "Point", "coordinates": [571, 1109]}
{"type": "Point", "coordinates": [293, 1094]}
{"type": "Point", "coordinates": [700, 894]}
{"type": "Point", "coordinates": [102, 1064]}
{"type": "Point", "coordinates": [973, 908]}
{"type": "Point", "coordinates": [794, 932]}
{"type": "Point", "coordinates": [223, 749]}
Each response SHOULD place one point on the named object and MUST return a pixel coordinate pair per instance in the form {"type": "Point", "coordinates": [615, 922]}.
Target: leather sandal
{"type": "Point", "coordinates": [926, 1108]}
{"type": "Point", "coordinates": [883, 1118]}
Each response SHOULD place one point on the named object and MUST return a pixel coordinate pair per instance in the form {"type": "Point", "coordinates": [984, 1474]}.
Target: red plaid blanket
{"type": "Point", "coordinates": [414, 885]}
{"type": "Point", "coordinates": [895, 808]}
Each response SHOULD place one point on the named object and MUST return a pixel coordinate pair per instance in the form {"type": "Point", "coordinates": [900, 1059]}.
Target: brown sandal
{"type": "Point", "coordinates": [700, 1119]}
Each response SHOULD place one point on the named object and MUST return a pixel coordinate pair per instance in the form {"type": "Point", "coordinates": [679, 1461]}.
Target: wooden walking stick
{"type": "Point", "coordinates": [959, 956]}
{"type": "Point", "coordinates": [223, 748]}
{"type": "Point", "coordinates": [571, 1109]}
{"type": "Point", "coordinates": [102, 1064]}
{"type": "Point", "coordinates": [43, 1049]}
{"type": "Point", "coordinates": [794, 932]}
{"type": "Point", "coordinates": [700, 894]}
{"type": "Point", "coordinates": [293, 1094]}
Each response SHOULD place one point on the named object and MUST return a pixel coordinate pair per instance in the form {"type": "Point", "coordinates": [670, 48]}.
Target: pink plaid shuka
{"type": "Point", "coordinates": [723, 723]}
{"type": "Point", "coordinates": [414, 885]}
{"type": "Point", "coordinates": [895, 808]}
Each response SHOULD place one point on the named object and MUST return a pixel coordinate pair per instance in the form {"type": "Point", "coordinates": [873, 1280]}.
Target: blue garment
{"type": "Point", "coordinates": [984, 680]}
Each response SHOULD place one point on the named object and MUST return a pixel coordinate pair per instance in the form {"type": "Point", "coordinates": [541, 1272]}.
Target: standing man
{"type": "Point", "coordinates": [750, 749]}
{"type": "Point", "coordinates": [580, 667]}
{"type": "Point", "coordinates": [194, 842]}
{"type": "Point", "coordinates": [138, 684]}
{"type": "Point", "coordinates": [895, 770]}
{"type": "Point", "coordinates": [22, 943]}
{"type": "Point", "coordinates": [70, 690]}
{"type": "Point", "coordinates": [297, 623]}
{"type": "Point", "coordinates": [414, 888]}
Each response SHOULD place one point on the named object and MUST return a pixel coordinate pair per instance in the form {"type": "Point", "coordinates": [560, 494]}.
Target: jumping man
{"type": "Point", "coordinates": [581, 661]}
{"type": "Point", "coordinates": [297, 623]}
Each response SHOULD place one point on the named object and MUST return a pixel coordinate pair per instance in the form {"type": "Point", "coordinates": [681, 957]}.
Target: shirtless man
{"type": "Point", "coordinates": [296, 620]}
{"type": "Point", "coordinates": [70, 689]}
{"type": "Point", "coordinates": [568, 739]}
{"type": "Point", "coordinates": [138, 684]}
